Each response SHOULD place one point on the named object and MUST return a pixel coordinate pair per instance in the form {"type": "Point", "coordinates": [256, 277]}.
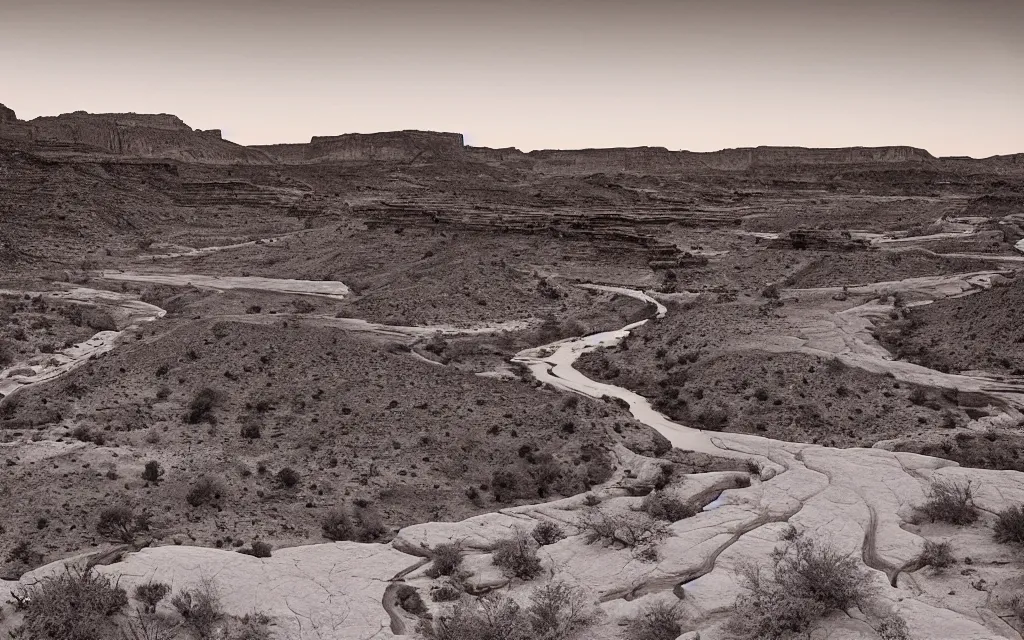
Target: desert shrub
{"type": "Point", "coordinates": [1017, 605]}
{"type": "Point", "coordinates": [937, 555]}
{"type": "Point", "coordinates": [204, 491]}
{"type": "Point", "coordinates": [71, 606]}
{"type": "Point", "coordinates": [660, 506]}
{"type": "Point", "coordinates": [6, 353]}
{"type": "Point", "coordinates": [361, 525]}
{"type": "Point", "coordinates": [556, 610]}
{"type": "Point", "coordinates": [510, 484]}
{"type": "Point", "coordinates": [491, 618]}
{"type": "Point", "coordinates": [200, 609]}
{"type": "Point", "coordinates": [121, 523]}
{"type": "Point", "coordinates": [201, 407]}
{"type": "Point", "coordinates": [771, 292]}
{"type": "Point", "coordinates": [337, 526]}
{"type": "Point", "coordinates": [517, 557]}
{"type": "Point", "coordinates": [893, 627]}
{"type": "Point", "coordinates": [258, 549]}
{"type": "Point", "coordinates": [446, 591]}
{"type": "Point", "coordinates": [250, 430]}
{"type": "Point", "coordinates": [633, 530]}
{"type": "Point", "coordinates": [1009, 525]}
{"type": "Point", "coordinates": [805, 581]}
{"type": "Point", "coordinates": [713, 418]}
{"type": "Point", "coordinates": [657, 621]}
{"type": "Point", "coordinates": [446, 560]}
{"type": "Point", "coordinates": [146, 626]}
{"type": "Point", "coordinates": [409, 599]}
{"type": "Point", "coordinates": [151, 593]}
{"type": "Point", "coordinates": [950, 501]}
{"type": "Point", "coordinates": [547, 533]}
{"type": "Point", "coordinates": [152, 471]}
{"type": "Point", "coordinates": [288, 477]}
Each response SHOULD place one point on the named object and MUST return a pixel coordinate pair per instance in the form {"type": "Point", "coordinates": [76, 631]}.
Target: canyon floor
{"type": "Point", "coordinates": [341, 389]}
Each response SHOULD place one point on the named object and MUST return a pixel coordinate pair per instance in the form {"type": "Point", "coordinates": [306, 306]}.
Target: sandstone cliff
{"type": "Point", "coordinates": [399, 146]}
{"type": "Point", "coordinates": [126, 134]}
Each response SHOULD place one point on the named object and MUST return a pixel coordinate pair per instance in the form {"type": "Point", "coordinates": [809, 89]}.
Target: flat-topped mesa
{"type": "Point", "coordinates": [660, 158]}
{"type": "Point", "coordinates": [400, 146]}
{"type": "Point", "coordinates": [128, 134]}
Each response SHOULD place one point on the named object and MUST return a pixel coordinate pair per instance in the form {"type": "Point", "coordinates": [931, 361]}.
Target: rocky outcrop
{"type": "Point", "coordinates": [397, 146]}
{"type": "Point", "coordinates": [126, 134]}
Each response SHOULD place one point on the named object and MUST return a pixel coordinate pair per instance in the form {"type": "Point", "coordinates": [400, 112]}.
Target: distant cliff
{"type": "Point", "coordinates": [126, 134]}
{"type": "Point", "coordinates": [401, 146]}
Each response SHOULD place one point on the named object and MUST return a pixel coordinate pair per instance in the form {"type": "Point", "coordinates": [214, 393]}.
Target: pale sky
{"type": "Point", "coordinates": [945, 75]}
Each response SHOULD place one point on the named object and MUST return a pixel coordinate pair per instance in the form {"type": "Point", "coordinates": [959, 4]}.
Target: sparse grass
{"type": "Point", "coordinates": [950, 501]}
{"type": "Point", "coordinates": [1009, 527]}
{"type": "Point", "coordinates": [71, 606]}
{"type": "Point", "coordinates": [518, 557]}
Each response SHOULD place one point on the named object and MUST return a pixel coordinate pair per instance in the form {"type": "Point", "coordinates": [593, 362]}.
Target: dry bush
{"type": "Point", "coordinates": [150, 627]}
{"type": "Point", "coordinates": [517, 557]}
{"type": "Point", "coordinates": [805, 582]}
{"type": "Point", "coordinates": [632, 530]}
{"type": "Point", "coordinates": [151, 593]}
{"type": "Point", "coordinates": [201, 407]}
{"type": "Point", "coordinates": [258, 549]}
{"type": "Point", "coordinates": [200, 609]}
{"type": "Point", "coordinates": [288, 477]}
{"type": "Point", "coordinates": [446, 591]}
{"type": "Point", "coordinates": [122, 523]}
{"type": "Point", "coordinates": [547, 533]}
{"type": "Point", "coordinates": [661, 506]}
{"type": "Point", "coordinates": [409, 599]}
{"type": "Point", "coordinates": [1010, 525]}
{"type": "Point", "coordinates": [657, 621]}
{"type": "Point", "coordinates": [337, 526]}
{"type": "Point", "coordinates": [950, 501]}
{"type": "Point", "coordinates": [937, 555]}
{"type": "Point", "coordinates": [204, 491]}
{"type": "Point", "coordinates": [491, 618]}
{"type": "Point", "coordinates": [71, 606]}
{"type": "Point", "coordinates": [555, 612]}
{"type": "Point", "coordinates": [7, 354]}
{"type": "Point", "coordinates": [152, 471]}
{"type": "Point", "coordinates": [893, 627]}
{"type": "Point", "coordinates": [362, 524]}
{"type": "Point", "coordinates": [446, 560]}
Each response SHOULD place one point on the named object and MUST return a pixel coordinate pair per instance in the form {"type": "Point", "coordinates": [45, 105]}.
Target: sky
{"type": "Point", "coordinates": [702, 75]}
